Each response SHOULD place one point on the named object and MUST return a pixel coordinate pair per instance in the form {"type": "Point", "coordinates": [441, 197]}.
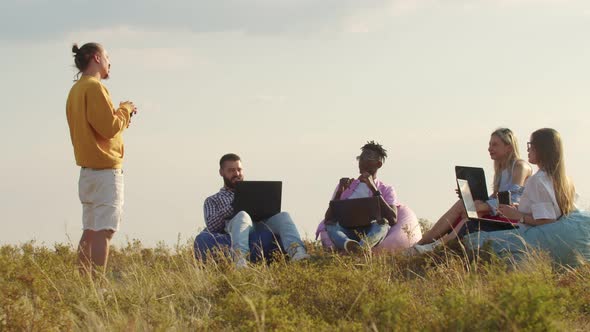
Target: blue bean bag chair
{"type": "Point", "coordinates": [567, 240]}
{"type": "Point", "coordinates": [263, 244]}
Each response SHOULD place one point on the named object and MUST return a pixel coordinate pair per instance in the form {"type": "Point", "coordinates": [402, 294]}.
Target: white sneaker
{"type": "Point", "coordinates": [422, 248]}
{"type": "Point", "coordinates": [352, 246]}
{"type": "Point", "coordinates": [300, 254]}
{"type": "Point", "coordinates": [242, 263]}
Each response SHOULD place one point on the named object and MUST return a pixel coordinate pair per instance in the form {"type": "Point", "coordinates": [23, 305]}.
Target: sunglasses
{"type": "Point", "coordinates": [364, 158]}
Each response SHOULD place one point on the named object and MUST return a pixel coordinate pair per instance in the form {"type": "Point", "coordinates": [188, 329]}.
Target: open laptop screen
{"type": "Point", "coordinates": [260, 199]}
{"type": "Point", "coordinates": [467, 198]}
{"type": "Point", "coordinates": [356, 212]}
{"type": "Point", "coordinates": [477, 181]}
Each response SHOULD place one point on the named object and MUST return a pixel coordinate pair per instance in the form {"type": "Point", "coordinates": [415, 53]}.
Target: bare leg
{"type": "Point", "coordinates": [85, 252]}
{"type": "Point", "coordinates": [93, 250]}
{"type": "Point", "coordinates": [445, 224]}
{"type": "Point", "coordinates": [100, 248]}
{"type": "Point", "coordinates": [453, 233]}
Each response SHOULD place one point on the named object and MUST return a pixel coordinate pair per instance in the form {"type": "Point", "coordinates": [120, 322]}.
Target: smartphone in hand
{"type": "Point", "coordinates": [504, 198]}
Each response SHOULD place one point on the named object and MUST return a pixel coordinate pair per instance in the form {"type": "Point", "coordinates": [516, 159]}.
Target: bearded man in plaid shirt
{"type": "Point", "coordinates": [220, 216]}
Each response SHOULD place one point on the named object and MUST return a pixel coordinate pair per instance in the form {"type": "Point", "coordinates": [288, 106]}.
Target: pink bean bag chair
{"type": "Point", "coordinates": [402, 235]}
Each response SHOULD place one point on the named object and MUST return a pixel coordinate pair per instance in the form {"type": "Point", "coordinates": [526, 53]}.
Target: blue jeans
{"type": "Point", "coordinates": [371, 235]}
{"type": "Point", "coordinates": [281, 224]}
{"type": "Point", "coordinates": [263, 244]}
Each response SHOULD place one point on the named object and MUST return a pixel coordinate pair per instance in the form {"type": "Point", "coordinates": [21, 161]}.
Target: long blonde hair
{"type": "Point", "coordinates": [549, 152]}
{"type": "Point", "coordinates": [507, 137]}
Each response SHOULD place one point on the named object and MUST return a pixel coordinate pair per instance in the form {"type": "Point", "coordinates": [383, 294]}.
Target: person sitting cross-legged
{"type": "Point", "coordinates": [366, 185]}
{"type": "Point", "coordinates": [221, 217]}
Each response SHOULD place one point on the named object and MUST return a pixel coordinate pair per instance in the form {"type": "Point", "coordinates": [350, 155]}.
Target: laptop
{"type": "Point", "coordinates": [260, 199]}
{"type": "Point", "coordinates": [477, 181]}
{"type": "Point", "coordinates": [356, 212]}
{"type": "Point", "coordinates": [472, 212]}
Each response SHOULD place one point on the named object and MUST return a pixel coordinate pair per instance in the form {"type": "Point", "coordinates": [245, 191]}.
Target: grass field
{"type": "Point", "coordinates": [165, 288]}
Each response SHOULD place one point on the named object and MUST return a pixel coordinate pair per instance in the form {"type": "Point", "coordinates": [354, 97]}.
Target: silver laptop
{"type": "Point", "coordinates": [469, 205]}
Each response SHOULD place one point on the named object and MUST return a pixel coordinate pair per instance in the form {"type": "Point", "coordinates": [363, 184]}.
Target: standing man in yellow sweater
{"type": "Point", "coordinates": [96, 129]}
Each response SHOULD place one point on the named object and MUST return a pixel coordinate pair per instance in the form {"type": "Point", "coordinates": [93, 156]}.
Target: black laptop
{"type": "Point", "coordinates": [356, 212]}
{"type": "Point", "coordinates": [477, 181]}
{"type": "Point", "coordinates": [472, 212]}
{"type": "Point", "coordinates": [260, 199]}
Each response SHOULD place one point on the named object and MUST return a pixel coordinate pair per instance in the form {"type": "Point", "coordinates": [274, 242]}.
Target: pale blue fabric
{"type": "Point", "coordinates": [515, 193]}
{"type": "Point", "coordinates": [372, 234]}
{"type": "Point", "coordinates": [506, 178]}
{"type": "Point", "coordinates": [240, 227]}
{"type": "Point", "coordinates": [567, 240]}
{"type": "Point", "coordinates": [506, 185]}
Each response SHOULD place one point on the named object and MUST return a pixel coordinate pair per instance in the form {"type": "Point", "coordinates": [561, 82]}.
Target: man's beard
{"type": "Point", "coordinates": [228, 182]}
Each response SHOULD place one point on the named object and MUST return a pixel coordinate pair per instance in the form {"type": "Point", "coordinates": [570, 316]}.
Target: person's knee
{"type": "Point", "coordinates": [331, 227]}
{"type": "Point", "coordinates": [334, 227]}
{"type": "Point", "coordinates": [458, 206]}
{"type": "Point", "coordinates": [284, 216]}
{"type": "Point", "coordinates": [242, 215]}
{"type": "Point", "coordinates": [242, 218]}
{"type": "Point", "coordinates": [204, 237]}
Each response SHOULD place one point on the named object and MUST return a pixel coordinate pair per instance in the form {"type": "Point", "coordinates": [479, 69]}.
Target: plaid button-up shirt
{"type": "Point", "coordinates": [218, 210]}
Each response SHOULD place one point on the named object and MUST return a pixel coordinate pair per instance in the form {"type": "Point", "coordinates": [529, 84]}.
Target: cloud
{"type": "Point", "coordinates": [37, 19]}
{"type": "Point", "coordinates": [44, 19]}
{"type": "Point", "coordinates": [170, 53]}
{"type": "Point", "coordinates": [402, 7]}
{"type": "Point", "coordinates": [159, 58]}
{"type": "Point", "coordinates": [518, 2]}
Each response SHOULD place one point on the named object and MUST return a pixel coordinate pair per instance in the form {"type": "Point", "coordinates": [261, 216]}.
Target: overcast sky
{"type": "Point", "coordinates": [295, 87]}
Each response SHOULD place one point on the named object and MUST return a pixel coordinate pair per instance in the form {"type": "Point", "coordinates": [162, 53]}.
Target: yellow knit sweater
{"type": "Point", "coordinates": [96, 127]}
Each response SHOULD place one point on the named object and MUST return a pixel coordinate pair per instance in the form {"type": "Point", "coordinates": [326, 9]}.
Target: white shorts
{"type": "Point", "coordinates": [101, 194]}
